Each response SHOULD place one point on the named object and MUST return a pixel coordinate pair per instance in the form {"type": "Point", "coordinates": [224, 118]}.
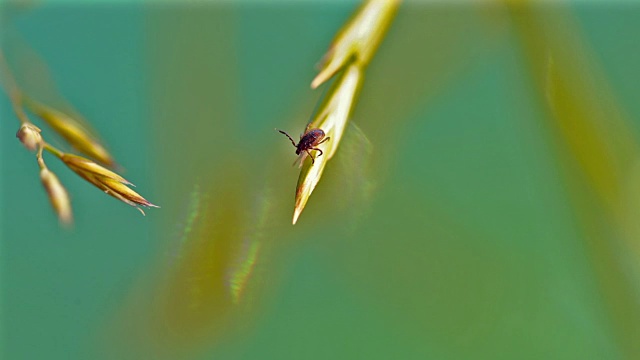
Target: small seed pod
{"type": "Point", "coordinates": [29, 136]}
{"type": "Point", "coordinates": [57, 195]}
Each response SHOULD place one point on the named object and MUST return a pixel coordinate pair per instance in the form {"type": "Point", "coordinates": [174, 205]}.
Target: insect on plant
{"type": "Point", "coordinates": [308, 141]}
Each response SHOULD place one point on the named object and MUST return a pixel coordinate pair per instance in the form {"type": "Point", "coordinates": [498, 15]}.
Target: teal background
{"type": "Point", "coordinates": [445, 227]}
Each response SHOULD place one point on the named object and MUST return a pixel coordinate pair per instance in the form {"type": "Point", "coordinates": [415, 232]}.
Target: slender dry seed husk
{"type": "Point", "coordinates": [71, 130]}
{"type": "Point", "coordinates": [29, 136]}
{"type": "Point", "coordinates": [57, 195]}
{"type": "Point", "coordinates": [105, 180]}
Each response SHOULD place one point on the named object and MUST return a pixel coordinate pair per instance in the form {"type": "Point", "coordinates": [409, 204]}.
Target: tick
{"type": "Point", "coordinates": [308, 141]}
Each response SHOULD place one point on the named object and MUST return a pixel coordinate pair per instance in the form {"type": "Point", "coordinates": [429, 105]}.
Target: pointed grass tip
{"type": "Point", "coordinates": [107, 181]}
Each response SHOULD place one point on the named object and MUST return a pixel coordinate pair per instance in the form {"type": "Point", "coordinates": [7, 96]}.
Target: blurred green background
{"type": "Point", "coordinates": [483, 203]}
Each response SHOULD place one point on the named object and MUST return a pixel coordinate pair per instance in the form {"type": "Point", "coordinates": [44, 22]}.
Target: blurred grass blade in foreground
{"type": "Point", "coordinates": [352, 49]}
{"type": "Point", "coordinates": [598, 149]}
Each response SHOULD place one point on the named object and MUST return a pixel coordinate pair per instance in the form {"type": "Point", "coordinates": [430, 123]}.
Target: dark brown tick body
{"type": "Point", "coordinates": [308, 141]}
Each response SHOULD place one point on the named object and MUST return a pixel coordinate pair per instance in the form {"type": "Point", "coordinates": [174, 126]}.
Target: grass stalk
{"type": "Point", "coordinates": [349, 54]}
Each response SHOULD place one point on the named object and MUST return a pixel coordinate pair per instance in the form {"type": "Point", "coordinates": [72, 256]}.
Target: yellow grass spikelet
{"type": "Point", "coordinates": [106, 180]}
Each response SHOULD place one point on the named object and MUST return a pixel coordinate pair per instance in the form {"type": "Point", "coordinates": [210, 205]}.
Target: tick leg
{"type": "Point", "coordinates": [325, 139]}
{"type": "Point", "coordinates": [287, 135]}
{"type": "Point", "coordinates": [311, 156]}
{"type": "Point", "coordinates": [317, 150]}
